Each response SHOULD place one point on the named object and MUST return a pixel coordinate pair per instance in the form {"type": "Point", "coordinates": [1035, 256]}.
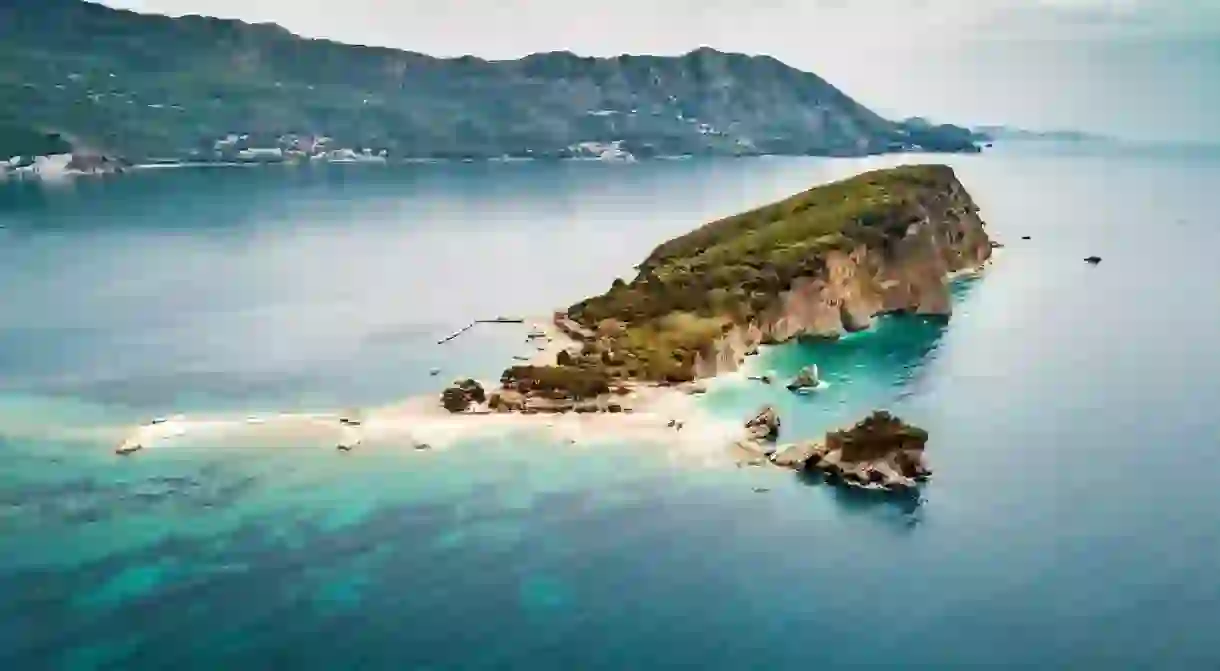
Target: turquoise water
{"type": "Point", "coordinates": [1070, 523]}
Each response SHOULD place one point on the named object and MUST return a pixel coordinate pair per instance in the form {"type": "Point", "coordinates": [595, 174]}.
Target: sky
{"type": "Point", "coordinates": [1143, 69]}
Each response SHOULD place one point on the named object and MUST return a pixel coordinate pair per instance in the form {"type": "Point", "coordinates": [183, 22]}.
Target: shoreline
{"type": "Point", "coordinates": [422, 423]}
{"type": "Point", "coordinates": [187, 164]}
{"type": "Point", "coordinates": [589, 377]}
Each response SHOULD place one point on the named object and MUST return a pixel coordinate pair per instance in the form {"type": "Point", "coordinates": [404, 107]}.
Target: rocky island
{"type": "Point", "coordinates": [625, 364]}
{"type": "Point", "coordinates": [818, 264]}
{"type": "Point", "coordinates": [879, 452]}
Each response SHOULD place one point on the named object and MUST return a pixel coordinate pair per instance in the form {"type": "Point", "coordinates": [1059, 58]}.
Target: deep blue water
{"type": "Point", "coordinates": [1071, 523]}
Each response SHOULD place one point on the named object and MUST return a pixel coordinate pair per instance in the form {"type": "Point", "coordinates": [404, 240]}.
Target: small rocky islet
{"type": "Point", "coordinates": [818, 264]}
{"type": "Point", "coordinates": [880, 451]}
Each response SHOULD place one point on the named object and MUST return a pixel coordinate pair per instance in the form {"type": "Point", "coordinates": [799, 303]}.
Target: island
{"type": "Point", "coordinates": [879, 452]}
{"type": "Point", "coordinates": [162, 90]}
{"type": "Point", "coordinates": [815, 265]}
{"type": "Point", "coordinates": [818, 264]}
{"type": "Point", "coordinates": [626, 364]}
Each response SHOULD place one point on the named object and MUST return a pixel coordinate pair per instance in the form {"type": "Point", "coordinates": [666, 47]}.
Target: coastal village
{"type": "Point", "coordinates": [233, 149]}
{"type": "Point", "coordinates": [246, 149]}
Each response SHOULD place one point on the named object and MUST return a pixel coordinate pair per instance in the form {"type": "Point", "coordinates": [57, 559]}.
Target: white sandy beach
{"type": "Point", "coordinates": [659, 415]}
{"type": "Point", "coordinates": [421, 422]}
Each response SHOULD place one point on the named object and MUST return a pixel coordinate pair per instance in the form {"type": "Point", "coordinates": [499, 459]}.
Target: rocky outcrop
{"type": "Point", "coordinates": [556, 389]}
{"type": "Point", "coordinates": [762, 430]}
{"type": "Point", "coordinates": [557, 381]}
{"type": "Point", "coordinates": [764, 426]}
{"type": "Point", "coordinates": [879, 452]}
{"type": "Point", "coordinates": [462, 394]}
{"type": "Point", "coordinates": [805, 380]}
{"type": "Point", "coordinates": [795, 455]}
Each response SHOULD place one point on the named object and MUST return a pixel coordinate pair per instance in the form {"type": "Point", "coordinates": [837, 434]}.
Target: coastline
{"type": "Point", "coordinates": [424, 160]}
{"type": "Point", "coordinates": [626, 365]}
{"type": "Point", "coordinates": [421, 422]}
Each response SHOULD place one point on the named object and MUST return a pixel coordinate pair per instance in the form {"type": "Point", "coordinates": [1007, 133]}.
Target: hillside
{"type": "Point", "coordinates": [142, 85]}
{"type": "Point", "coordinates": [817, 264]}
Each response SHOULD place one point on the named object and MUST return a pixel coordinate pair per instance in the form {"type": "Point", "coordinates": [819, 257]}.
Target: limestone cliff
{"type": "Point", "coordinates": [907, 270]}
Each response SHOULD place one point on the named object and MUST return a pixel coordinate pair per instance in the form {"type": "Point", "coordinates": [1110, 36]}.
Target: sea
{"type": "Point", "coordinates": [1073, 520]}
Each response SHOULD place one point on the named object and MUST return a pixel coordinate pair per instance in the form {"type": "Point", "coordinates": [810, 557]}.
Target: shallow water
{"type": "Point", "coordinates": [1070, 522]}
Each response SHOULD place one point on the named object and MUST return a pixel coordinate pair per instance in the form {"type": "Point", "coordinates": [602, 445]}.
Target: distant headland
{"type": "Point", "coordinates": [197, 89]}
{"type": "Point", "coordinates": [1010, 133]}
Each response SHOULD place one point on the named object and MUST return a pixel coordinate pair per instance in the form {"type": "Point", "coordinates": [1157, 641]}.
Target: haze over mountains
{"type": "Point", "coordinates": [151, 86]}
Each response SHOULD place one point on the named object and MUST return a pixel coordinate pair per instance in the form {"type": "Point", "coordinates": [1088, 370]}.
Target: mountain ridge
{"type": "Point", "coordinates": [146, 85]}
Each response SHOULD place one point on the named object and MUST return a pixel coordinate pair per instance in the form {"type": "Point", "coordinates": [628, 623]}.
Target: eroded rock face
{"type": "Point", "coordinates": [906, 271]}
{"type": "Point", "coordinates": [764, 427]}
{"type": "Point", "coordinates": [795, 456]}
{"type": "Point", "coordinates": [819, 264]}
{"type": "Point", "coordinates": [726, 354]}
{"type": "Point", "coordinates": [462, 394]}
{"type": "Point", "coordinates": [806, 379]}
{"type": "Point", "coordinates": [879, 452]}
{"type": "Point", "coordinates": [506, 400]}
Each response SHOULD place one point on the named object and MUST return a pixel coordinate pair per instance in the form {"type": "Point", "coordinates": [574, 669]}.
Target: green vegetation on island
{"type": "Point", "coordinates": [558, 381]}
{"type": "Point", "coordinates": [691, 290]}
{"type": "Point", "coordinates": [144, 86]}
{"type": "Point", "coordinates": [817, 264]}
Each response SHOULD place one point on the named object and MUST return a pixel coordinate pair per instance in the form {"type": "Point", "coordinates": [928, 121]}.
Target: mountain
{"type": "Point", "coordinates": [152, 86]}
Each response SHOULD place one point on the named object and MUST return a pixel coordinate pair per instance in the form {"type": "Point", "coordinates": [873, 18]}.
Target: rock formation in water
{"type": "Point", "coordinates": [879, 452]}
{"type": "Point", "coordinates": [805, 380]}
{"type": "Point", "coordinates": [764, 427]}
{"type": "Point", "coordinates": [462, 394]}
{"type": "Point", "coordinates": [762, 432]}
